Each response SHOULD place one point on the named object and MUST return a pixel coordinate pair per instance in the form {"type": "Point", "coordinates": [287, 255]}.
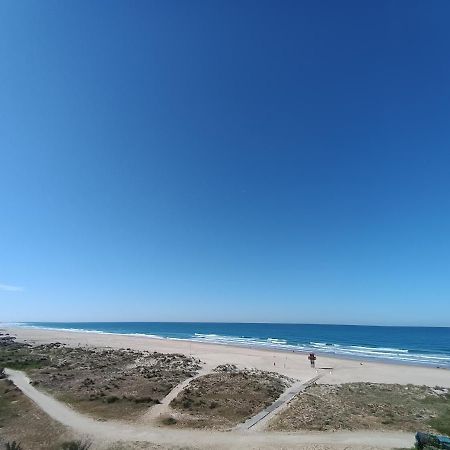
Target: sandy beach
{"type": "Point", "coordinates": [295, 365]}
{"type": "Point", "coordinates": [145, 392]}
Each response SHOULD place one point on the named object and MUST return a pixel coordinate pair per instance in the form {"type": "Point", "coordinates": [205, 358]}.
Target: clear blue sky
{"type": "Point", "coordinates": [225, 161]}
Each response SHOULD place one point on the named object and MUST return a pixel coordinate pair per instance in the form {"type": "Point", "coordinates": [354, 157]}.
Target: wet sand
{"type": "Point", "coordinates": [295, 365]}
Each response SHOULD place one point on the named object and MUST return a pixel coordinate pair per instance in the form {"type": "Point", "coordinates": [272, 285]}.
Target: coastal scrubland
{"type": "Point", "coordinates": [226, 397]}
{"type": "Point", "coordinates": [125, 383]}
{"type": "Point", "coordinates": [367, 406]}
{"type": "Point", "coordinates": [22, 421]}
{"type": "Point", "coordinates": [119, 383]}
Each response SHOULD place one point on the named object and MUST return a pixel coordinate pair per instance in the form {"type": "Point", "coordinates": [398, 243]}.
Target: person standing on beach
{"type": "Point", "coordinates": [312, 358]}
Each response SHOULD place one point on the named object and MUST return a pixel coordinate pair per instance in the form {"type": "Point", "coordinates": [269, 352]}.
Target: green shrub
{"type": "Point", "coordinates": [25, 364]}
{"type": "Point", "coordinates": [441, 423]}
{"type": "Point", "coordinates": [146, 400]}
{"type": "Point", "coordinates": [76, 445]}
{"type": "Point", "coordinates": [111, 399]}
{"type": "Point", "coordinates": [13, 446]}
{"type": "Point", "coordinates": [169, 420]}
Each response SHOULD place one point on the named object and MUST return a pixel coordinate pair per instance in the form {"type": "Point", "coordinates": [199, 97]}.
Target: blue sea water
{"type": "Point", "coordinates": [413, 345]}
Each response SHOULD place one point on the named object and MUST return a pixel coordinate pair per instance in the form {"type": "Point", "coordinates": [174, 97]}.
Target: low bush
{"type": "Point", "coordinates": [13, 446]}
{"type": "Point", "coordinates": [169, 420]}
{"type": "Point", "coordinates": [441, 423]}
{"type": "Point", "coordinates": [76, 445]}
{"type": "Point", "coordinates": [111, 399]}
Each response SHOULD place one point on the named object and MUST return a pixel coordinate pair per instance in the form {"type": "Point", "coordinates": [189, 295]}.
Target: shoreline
{"type": "Point", "coordinates": [268, 347]}
{"type": "Point", "coordinates": [336, 370]}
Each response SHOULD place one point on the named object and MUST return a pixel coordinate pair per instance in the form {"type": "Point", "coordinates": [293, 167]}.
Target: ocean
{"type": "Point", "coordinates": [412, 345]}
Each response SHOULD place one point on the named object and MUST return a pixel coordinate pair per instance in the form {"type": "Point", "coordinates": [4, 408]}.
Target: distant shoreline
{"type": "Point", "coordinates": [19, 323]}
{"type": "Point", "coordinates": [243, 346]}
{"type": "Point", "coordinates": [278, 343]}
{"type": "Point", "coordinates": [293, 364]}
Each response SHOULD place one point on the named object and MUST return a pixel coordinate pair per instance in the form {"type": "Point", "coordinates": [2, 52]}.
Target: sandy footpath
{"type": "Point", "coordinates": [293, 365]}
{"type": "Point", "coordinates": [202, 439]}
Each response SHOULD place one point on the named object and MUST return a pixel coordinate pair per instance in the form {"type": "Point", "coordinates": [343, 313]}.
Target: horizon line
{"type": "Point", "coordinates": [11, 323]}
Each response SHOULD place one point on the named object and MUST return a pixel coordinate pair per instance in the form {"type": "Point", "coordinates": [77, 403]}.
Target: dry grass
{"type": "Point", "coordinates": [104, 383]}
{"type": "Point", "coordinates": [143, 446]}
{"type": "Point", "coordinates": [23, 422]}
{"type": "Point", "coordinates": [361, 406]}
{"type": "Point", "coordinates": [227, 397]}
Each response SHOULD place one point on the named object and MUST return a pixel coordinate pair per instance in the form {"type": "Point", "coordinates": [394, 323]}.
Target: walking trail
{"type": "Point", "coordinates": [206, 439]}
{"type": "Point", "coordinates": [162, 409]}
{"type": "Point", "coordinates": [260, 420]}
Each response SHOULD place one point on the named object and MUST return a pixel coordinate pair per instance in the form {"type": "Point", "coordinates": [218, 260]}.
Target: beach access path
{"type": "Point", "coordinates": [260, 420]}
{"type": "Point", "coordinates": [113, 431]}
{"type": "Point", "coordinates": [160, 410]}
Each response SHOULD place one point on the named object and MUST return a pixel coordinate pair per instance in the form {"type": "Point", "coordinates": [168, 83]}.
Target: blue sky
{"type": "Point", "coordinates": [225, 161]}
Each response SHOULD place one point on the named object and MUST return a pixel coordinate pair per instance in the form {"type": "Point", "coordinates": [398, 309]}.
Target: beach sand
{"type": "Point", "coordinates": [295, 365]}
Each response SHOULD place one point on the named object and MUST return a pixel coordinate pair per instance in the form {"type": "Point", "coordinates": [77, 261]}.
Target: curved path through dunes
{"type": "Point", "coordinates": [120, 431]}
{"type": "Point", "coordinates": [159, 410]}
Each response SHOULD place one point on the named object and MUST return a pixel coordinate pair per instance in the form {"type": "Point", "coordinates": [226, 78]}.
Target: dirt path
{"type": "Point", "coordinates": [206, 439]}
{"type": "Point", "coordinates": [157, 411]}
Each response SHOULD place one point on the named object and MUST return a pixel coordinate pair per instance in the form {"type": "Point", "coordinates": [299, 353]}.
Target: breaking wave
{"type": "Point", "coordinates": [369, 352]}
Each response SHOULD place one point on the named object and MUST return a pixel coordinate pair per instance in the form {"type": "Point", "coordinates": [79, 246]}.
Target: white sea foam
{"type": "Point", "coordinates": [277, 341]}
{"type": "Point", "coordinates": [335, 349]}
{"type": "Point", "coordinates": [381, 349]}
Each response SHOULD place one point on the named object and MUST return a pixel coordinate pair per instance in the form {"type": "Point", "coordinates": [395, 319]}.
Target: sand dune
{"type": "Point", "coordinates": [294, 365]}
